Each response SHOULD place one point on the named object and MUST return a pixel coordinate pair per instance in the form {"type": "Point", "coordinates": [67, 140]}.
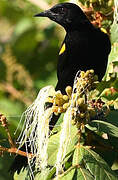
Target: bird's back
{"type": "Point", "coordinates": [83, 50]}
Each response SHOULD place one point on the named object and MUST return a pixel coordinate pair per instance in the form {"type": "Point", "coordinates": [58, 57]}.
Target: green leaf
{"type": "Point", "coordinates": [112, 61]}
{"type": "Point", "coordinates": [77, 156]}
{"type": "Point", "coordinates": [114, 33]}
{"type": "Point", "coordinates": [53, 146]}
{"type": "Point", "coordinates": [67, 175]}
{"type": "Point", "coordinates": [97, 166]}
{"type": "Point", "coordinates": [83, 174]}
{"type": "Point", "coordinates": [115, 65]}
{"type": "Point", "coordinates": [92, 128]}
{"type": "Point", "coordinates": [51, 173]}
{"type": "Point", "coordinates": [47, 174]}
{"type": "Point", "coordinates": [110, 93]}
{"type": "Point", "coordinates": [115, 165]}
{"type": "Point", "coordinates": [106, 127]}
{"type": "Point", "coordinates": [22, 175]}
{"type": "Point", "coordinates": [116, 104]}
{"type": "Point", "coordinates": [76, 174]}
{"type": "Point", "coordinates": [113, 117]}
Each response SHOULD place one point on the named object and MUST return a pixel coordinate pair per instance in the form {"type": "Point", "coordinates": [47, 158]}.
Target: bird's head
{"type": "Point", "coordinates": [67, 15]}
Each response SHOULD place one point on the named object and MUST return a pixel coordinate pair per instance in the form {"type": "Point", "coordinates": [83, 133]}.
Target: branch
{"type": "Point", "coordinates": [4, 123]}
{"type": "Point", "coordinates": [7, 87]}
{"type": "Point", "coordinates": [14, 150]}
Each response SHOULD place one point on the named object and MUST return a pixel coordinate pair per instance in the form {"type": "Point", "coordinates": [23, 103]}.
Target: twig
{"type": "Point", "coordinates": [12, 148]}
{"type": "Point", "coordinates": [16, 151]}
{"type": "Point", "coordinates": [4, 123]}
{"type": "Point", "coordinates": [14, 92]}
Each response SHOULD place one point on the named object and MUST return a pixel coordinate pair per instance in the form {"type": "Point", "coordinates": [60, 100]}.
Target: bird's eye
{"type": "Point", "coordinates": [59, 10]}
{"type": "Point", "coordinates": [63, 9]}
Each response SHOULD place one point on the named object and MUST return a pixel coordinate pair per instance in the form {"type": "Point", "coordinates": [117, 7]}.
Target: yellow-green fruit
{"type": "Point", "coordinates": [82, 115]}
{"type": "Point", "coordinates": [58, 95]}
{"type": "Point", "coordinates": [65, 106]}
{"type": "Point", "coordinates": [73, 122]}
{"type": "Point", "coordinates": [65, 98]}
{"type": "Point", "coordinates": [61, 102]}
{"type": "Point", "coordinates": [83, 83]}
{"type": "Point", "coordinates": [110, 3]}
{"type": "Point", "coordinates": [87, 73]}
{"type": "Point", "coordinates": [69, 90]}
{"type": "Point", "coordinates": [80, 101]}
{"type": "Point", "coordinates": [56, 101]}
{"type": "Point", "coordinates": [82, 74]}
{"type": "Point", "coordinates": [91, 71]}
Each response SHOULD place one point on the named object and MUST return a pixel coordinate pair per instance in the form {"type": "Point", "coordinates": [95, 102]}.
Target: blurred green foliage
{"type": "Point", "coordinates": [29, 49]}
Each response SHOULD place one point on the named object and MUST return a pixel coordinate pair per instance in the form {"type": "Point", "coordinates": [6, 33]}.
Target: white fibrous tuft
{"type": "Point", "coordinates": [35, 131]}
{"type": "Point", "coordinates": [65, 135]}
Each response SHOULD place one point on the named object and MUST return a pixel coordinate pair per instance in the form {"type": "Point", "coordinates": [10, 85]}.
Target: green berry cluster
{"type": "Point", "coordinates": [86, 81]}
{"type": "Point", "coordinates": [60, 102]}
{"type": "Point", "coordinates": [83, 108]}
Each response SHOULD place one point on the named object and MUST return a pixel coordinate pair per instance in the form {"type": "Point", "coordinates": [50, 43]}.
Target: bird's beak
{"type": "Point", "coordinates": [46, 13]}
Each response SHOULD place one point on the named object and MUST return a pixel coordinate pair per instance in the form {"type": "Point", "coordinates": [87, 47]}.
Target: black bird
{"type": "Point", "coordinates": [84, 47]}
